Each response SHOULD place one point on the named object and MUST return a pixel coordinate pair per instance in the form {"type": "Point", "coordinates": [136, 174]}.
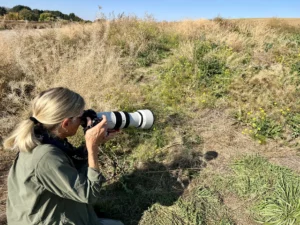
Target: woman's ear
{"type": "Point", "coordinates": [65, 124]}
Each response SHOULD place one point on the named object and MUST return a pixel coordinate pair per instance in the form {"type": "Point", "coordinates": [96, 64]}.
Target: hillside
{"type": "Point", "coordinates": [225, 94]}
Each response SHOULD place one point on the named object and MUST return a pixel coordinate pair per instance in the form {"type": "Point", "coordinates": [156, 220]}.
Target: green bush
{"type": "Point", "coordinates": [176, 84]}
{"type": "Point", "coordinates": [46, 17]}
{"type": "Point", "coordinates": [212, 72]}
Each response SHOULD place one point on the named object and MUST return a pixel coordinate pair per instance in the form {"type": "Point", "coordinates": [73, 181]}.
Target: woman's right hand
{"type": "Point", "coordinates": [95, 135]}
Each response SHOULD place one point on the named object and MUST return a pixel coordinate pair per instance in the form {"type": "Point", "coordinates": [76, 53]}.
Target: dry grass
{"type": "Point", "coordinates": [102, 61]}
{"type": "Point", "coordinates": [13, 24]}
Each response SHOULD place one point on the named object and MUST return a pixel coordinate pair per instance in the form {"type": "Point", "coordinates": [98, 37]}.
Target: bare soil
{"type": "Point", "coordinates": [220, 134]}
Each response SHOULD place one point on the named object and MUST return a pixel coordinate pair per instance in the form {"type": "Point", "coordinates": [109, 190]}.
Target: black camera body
{"type": "Point", "coordinates": [91, 114]}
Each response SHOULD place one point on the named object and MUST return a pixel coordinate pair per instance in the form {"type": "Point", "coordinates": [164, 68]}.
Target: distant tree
{"type": "Point", "coordinates": [73, 17]}
{"type": "Point", "coordinates": [37, 11]}
{"type": "Point", "coordinates": [78, 19]}
{"type": "Point", "coordinates": [3, 11]}
{"type": "Point", "coordinates": [18, 8]}
{"type": "Point", "coordinates": [46, 17]}
{"type": "Point", "coordinates": [12, 16]}
{"type": "Point", "coordinates": [26, 14]}
{"type": "Point", "coordinates": [66, 17]}
{"type": "Point", "coordinates": [57, 14]}
{"type": "Point", "coordinates": [37, 14]}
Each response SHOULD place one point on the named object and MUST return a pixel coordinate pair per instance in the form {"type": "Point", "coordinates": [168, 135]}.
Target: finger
{"type": "Point", "coordinates": [103, 122]}
{"type": "Point", "coordinates": [104, 119]}
{"type": "Point", "coordinates": [89, 121]}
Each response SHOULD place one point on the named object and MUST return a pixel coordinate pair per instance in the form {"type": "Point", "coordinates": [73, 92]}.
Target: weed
{"type": "Point", "coordinates": [261, 125]}
{"type": "Point", "coordinates": [283, 206]}
{"type": "Point", "coordinates": [274, 190]}
{"type": "Point", "coordinates": [296, 68]}
{"type": "Point", "coordinates": [211, 69]}
{"type": "Point", "coordinates": [157, 49]}
{"type": "Point", "coordinates": [293, 121]}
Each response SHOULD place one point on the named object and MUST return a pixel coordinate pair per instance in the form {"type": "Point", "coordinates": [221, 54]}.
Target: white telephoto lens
{"type": "Point", "coordinates": [143, 119]}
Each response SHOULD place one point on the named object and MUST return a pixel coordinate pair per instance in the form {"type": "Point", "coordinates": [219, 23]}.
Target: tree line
{"type": "Point", "coordinates": [20, 12]}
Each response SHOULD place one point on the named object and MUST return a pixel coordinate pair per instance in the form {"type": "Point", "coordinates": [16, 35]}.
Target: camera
{"type": "Point", "coordinates": [116, 120]}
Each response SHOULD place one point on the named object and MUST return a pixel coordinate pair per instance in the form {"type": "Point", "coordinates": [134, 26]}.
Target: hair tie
{"type": "Point", "coordinates": [34, 120]}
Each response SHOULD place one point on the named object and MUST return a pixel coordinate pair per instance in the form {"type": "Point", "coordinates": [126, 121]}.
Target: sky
{"type": "Point", "coordinates": [169, 10]}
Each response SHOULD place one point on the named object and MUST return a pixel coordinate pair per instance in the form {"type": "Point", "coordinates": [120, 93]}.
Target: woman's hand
{"type": "Point", "coordinates": [94, 137]}
{"type": "Point", "coordinates": [97, 134]}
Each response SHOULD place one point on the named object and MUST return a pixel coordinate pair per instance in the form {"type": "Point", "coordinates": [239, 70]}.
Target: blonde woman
{"type": "Point", "coordinates": [51, 182]}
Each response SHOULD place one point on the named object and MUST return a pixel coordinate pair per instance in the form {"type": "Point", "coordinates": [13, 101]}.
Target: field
{"type": "Point", "coordinates": [12, 24]}
{"type": "Point", "coordinates": [224, 149]}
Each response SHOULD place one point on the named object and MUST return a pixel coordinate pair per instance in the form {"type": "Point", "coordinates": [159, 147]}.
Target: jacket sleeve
{"type": "Point", "coordinates": [55, 173]}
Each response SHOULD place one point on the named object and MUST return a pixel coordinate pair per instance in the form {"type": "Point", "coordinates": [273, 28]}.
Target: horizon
{"type": "Point", "coordinates": [168, 10]}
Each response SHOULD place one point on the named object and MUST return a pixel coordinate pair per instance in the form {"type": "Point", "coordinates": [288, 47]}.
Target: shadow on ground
{"type": "Point", "coordinates": [132, 194]}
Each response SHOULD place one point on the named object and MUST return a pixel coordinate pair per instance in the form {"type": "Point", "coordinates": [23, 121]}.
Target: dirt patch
{"type": "Point", "coordinates": [220, 134]}
{"type": "Point", "coordinates": [237, 210]}
{"type": "Point", "coordinates": [290, 160]}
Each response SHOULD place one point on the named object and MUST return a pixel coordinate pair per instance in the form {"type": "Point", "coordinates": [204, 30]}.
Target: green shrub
{"type": "Point", "coordinates": [157, 49]}
{"type": "Point", "coordinates": [212, 73]}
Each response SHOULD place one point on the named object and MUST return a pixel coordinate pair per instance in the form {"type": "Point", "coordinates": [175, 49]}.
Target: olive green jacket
{"type": "Point", "coordinates": [44, 187]}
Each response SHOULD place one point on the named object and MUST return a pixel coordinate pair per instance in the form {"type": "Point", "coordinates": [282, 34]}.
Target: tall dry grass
{"type": "Point", "coordinates": [109, 64]}
{"type": "Point", "coordinates": [98, 60]}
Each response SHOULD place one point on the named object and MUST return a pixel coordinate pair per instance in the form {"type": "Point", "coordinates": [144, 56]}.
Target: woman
{"type": "Point", "coordinates": [50, 181]}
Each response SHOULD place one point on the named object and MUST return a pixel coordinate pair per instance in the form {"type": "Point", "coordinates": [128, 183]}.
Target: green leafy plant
{"type": "Point", "coordinates": [261, 126]}
{"type": "Point", "coordinates": [274, 190]}
{"type": "Point", "coordinates": [283, 206]}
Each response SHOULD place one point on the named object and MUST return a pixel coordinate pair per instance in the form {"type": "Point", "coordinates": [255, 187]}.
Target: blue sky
{"type": "Point", "coordinates": [169, 9]}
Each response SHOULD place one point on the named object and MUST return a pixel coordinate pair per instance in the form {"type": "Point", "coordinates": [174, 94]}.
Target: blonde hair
{"type": "Point", "coordinates": [50, 108]}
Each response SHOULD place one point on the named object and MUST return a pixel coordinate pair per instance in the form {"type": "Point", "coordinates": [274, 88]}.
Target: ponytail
{"type": "Point", "coordinates": [50, 108]}
{"type": "Point", "coordinates": [22, 138]}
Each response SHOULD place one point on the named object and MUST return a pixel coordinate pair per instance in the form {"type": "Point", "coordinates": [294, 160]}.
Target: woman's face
{"type": "Point", "coordinates": [71, 125]}
{"type": "Point", "coordinates": [74, 125]}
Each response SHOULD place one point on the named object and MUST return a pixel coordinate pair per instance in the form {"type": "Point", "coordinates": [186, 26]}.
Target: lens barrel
{"type": "Point", "coordinates": [143, 119]}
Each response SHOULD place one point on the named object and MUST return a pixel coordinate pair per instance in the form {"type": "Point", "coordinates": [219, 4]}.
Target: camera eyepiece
{"type": "Point", "coordinates": [91, 114]}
